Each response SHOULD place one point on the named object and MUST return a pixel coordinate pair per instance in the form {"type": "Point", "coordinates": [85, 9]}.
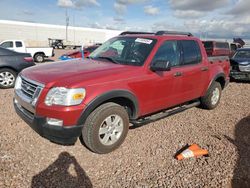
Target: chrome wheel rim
{"type": "Point", "coordinates": [215, 96]}
{"type": "Point", "coordinates": [111, 130]}
{"type": "Point", "coordinates": [7, 79]}
{"type": "Point", "coordinates": [39, 58]}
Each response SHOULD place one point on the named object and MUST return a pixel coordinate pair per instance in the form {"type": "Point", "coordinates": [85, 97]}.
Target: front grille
{"type": "Point", "coordinates": [235, 67]}
{"type": "Point", "coordinates": [30, 89]}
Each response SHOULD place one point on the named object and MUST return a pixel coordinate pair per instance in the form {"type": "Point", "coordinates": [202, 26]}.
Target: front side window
{"type": "Point", "coordinates": [168, 52]}
{"type": "Point", "coordinates": [7, 45]}
{"type": "Point", "coordinates": [191, 52]}
{"type": "Point", "coordinates": [125, 50]}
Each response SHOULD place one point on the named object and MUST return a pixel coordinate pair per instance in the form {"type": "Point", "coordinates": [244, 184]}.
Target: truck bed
{"type": "Point", "coordinates": [218, 58]}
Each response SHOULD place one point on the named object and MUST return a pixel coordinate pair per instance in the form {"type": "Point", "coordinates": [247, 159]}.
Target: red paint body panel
{"type": "Point", "coordinates": [154, 91]}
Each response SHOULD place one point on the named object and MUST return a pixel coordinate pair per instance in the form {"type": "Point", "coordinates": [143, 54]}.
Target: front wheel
{"type": "Point", "coordinates": [7, 78]}
{"type": "Point", "coordinates": [106, 128]}
{"type": "Point", "coordinates": [212, 97]}
{"type": "Point", "coordinates": [39, 58]}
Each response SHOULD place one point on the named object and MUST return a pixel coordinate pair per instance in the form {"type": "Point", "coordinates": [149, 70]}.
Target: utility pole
{"type": "Point", "coordinates": [67, 23]}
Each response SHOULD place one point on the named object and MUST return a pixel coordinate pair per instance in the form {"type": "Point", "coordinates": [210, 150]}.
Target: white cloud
{"type": "Point", "coordinates": [188, 14]}
{"type": "Point", "coordinates": [222, 28]}
{"type": "Point", "coordinates": [241, 7]}
{"type": "Point", "coordinates": [77, 3]}
{"type": "Point", "coordinates": [65, 3]}
{"type": "Point", "coordinates": [198, 5]}
{"type": "Point", "coordinates": [120, 6]}
{"type": "Point", "coordinates": [150, 10]}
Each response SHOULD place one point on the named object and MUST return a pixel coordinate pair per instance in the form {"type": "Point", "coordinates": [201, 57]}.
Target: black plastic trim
{"type": "Point", "coordinates": [108, 96]}
{"type": "Point", "coordinates": [173, 33]}
{"type": "Point", "coordinates": [216, 77]}
{"type": "Point", "coordinates": [135, 33]}
{"type": "Point", "coordinates": [59, 134]}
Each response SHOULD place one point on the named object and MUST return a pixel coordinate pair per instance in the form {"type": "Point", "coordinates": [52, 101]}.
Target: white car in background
{"type": "Point", "coordinates": [38, 53]}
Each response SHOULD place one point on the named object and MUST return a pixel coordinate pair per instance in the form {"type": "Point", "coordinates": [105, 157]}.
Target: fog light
{"type": "Point", "coordinates": [53, 121]}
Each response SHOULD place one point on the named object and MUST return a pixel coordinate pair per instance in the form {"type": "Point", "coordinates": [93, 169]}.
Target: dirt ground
{"type": "Point", "coordinates": [145, 159]}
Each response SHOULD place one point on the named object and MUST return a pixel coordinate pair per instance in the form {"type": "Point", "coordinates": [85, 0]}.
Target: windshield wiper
{"type": "Point", "coordinates": [108, 58]}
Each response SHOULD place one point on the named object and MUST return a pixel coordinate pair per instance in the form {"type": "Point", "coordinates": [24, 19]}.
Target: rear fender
{"type": "Point", "coordinates": [221, 76]}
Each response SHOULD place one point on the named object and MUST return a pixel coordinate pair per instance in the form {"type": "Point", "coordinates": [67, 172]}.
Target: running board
{"type": "Point", "coordinates": [164, 114]}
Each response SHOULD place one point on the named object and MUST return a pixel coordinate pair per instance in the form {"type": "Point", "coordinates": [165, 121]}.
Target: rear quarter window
{"type": "Point", "coordinates": [191, 52]}
{"type": "Point", "coordinates": [19, 44]}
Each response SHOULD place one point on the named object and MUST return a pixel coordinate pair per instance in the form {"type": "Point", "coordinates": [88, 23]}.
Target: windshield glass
{"type": "Point", "coordinates": [125, 50]}
{"type": "Point", "coordinates": [242, 54]}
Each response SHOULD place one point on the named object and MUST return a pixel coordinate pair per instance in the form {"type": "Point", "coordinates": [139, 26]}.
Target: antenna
{"type": "Point", "coordinates": [67, 23]}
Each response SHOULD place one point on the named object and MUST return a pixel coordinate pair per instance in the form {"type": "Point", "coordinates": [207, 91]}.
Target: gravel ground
{"type": "Point", "coordinates": [146, 157]}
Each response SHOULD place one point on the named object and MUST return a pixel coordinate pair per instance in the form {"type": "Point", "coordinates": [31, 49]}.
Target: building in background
{"type": "Point", "coordinates": [36, 34]}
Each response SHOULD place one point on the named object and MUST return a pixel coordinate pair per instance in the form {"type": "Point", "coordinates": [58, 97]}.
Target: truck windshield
{"type": "Point", "coordinates": [242, 54]}
{"type": "Point", "coordinates": [125, 50]}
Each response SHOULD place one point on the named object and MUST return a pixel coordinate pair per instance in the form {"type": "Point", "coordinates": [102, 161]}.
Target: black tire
{"type": "Point", "coordinates": [90, 131]}
{"type": "Point", "coordinates": [39, 58]}
{"type": "Point", "coordinates": [9, 73]}
{"type": "Point", "coordinates": [207, 101]}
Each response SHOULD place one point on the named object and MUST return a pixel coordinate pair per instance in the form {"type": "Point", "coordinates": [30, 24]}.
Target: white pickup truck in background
{"type": "Point", "coordinates": [38, 53]}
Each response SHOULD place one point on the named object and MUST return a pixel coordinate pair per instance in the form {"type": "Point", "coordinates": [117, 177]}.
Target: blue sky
{"type": "Point", "coordinates": [219, 18]}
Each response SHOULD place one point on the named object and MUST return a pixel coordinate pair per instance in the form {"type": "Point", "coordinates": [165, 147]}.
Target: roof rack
{"type": "Point", "coordinates": [134, 33]}
{"type": "Point", "coordinates": [173, 33]}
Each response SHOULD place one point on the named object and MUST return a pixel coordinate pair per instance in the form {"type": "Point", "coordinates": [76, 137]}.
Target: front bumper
{"type": "Point", "coordinates": [237, 75]}
{"type": "Point", "coordinates": [65, 135]}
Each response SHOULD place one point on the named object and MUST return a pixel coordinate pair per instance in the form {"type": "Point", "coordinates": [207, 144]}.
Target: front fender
{"type": "Point", "coordinates": [106, 97]}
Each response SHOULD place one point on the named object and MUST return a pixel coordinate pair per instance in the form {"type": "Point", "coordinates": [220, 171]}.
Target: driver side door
{"type": "Point", "coordinates": [165, 86]}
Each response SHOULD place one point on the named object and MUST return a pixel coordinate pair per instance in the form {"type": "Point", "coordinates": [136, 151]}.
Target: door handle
{"type": "Point", "coordinates": [204, 68]}
{"type": "Point", "coordinates": [177, 74]}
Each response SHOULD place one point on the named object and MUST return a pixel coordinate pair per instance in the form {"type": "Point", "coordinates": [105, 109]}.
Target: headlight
{"type": "Point", "coordinates": [244, 63]}
{"type": "Point", "coordinates": [18, 83]}
{"type": "Point", "coordinates": [244, 66]}
{"type": "Point", "coordinates": [65, 97]}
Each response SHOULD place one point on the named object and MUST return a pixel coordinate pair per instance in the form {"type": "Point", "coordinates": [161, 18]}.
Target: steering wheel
{"type": "Point", "coordinates": [137, 56]}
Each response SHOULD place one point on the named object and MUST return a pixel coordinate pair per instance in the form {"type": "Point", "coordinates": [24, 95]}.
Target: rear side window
{"type": "Point", "coordinates": [7, 45]}
{"type": "Point", "coordinates": [19, 44]}
{"type": "Point", "coordinates": [168, 52]}
{"type": "Point", "coordinates": [191, 52]}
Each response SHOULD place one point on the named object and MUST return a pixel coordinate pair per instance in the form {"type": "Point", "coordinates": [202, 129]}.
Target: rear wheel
{"type": "Point", "coordinates": [106, 128]}
{"type": "Point", "coordinates": [39, 58]}
{"type": "Point", "coordinates": [7, 78]}
{"type": "Point", "coordinates": [212, 97]}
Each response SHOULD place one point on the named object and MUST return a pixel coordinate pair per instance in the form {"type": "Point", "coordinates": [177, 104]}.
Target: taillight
{"type": "Point", "coordinates": [28, 59]}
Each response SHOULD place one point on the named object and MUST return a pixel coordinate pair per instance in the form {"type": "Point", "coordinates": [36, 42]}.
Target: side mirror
{"type": "Point", "coordinates": [160, 65]}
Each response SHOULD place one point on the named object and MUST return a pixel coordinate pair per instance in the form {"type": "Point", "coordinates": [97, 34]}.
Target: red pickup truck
{"type": "Point", "coordinates": [135, 77]}
{"type": "Point", "coordinates": [215, 48]}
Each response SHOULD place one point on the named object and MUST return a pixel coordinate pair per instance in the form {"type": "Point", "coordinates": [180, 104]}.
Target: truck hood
{"type": "Point", "coordinates": [78, 72]}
